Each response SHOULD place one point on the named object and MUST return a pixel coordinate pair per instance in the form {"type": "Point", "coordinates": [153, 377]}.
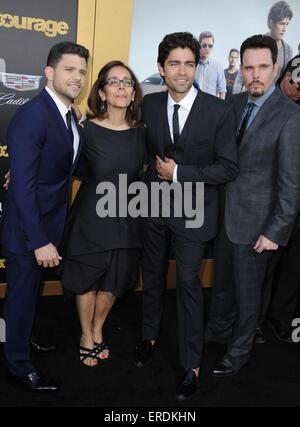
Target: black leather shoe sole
{"type": "Point", "coordinates": [259, 338]}
{"type": "Point", "coordinates": [223, 374]}
{"type": "Point", "coordinates": [183, 397]}
{"type": "Point", "coordinates": [260, 341]}
{"type": "Point", "coordinates": [222, 370]}
{"type": "Point", "coordinates": [139, 364]}
{"type": "Point", "coordinates": [43, 387]}
{"type": "Point", "coordinates": [187, 388]}
{"type": "Point", "coordinates": [42, 348]}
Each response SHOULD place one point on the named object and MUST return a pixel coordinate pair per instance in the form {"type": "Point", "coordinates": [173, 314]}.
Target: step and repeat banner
{"type": "Point", "coordinates": [28, 29]}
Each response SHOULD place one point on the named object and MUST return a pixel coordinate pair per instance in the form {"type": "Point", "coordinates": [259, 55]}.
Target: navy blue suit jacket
{"type": "Point", "coordinates": [41, 166]}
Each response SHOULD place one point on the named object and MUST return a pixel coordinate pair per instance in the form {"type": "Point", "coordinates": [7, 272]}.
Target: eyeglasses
{"type": "Point", "coordinates": [297, 83]}
{"type": "Point", "coordinates": [205, 45]}
{"type": "Point", "coordinates": [116, 82]}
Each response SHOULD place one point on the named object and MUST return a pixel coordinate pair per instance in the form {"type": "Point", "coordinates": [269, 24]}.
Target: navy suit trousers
{"type": "Point", "coordinates": [24, 278]}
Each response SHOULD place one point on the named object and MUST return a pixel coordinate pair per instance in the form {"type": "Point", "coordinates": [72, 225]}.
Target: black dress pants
{"type": "Point", "coordinates": [282, 282]}
{"type": "Point", "coordinates": [287, 281]}
{"type": "Point", "coordinates": [188, 255]}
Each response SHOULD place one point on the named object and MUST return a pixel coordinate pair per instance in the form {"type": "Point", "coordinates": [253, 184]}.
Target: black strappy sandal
{"type": "Point", "coordinates": [99, 348]}
{"type": "Point", "coordinates": [88, 353]}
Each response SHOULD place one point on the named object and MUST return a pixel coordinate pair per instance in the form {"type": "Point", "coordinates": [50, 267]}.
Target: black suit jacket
{"type": "Point", "coordinates": [210, 153]}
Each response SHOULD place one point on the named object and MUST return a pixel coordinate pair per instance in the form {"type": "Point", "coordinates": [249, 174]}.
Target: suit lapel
{"type": "Point", "coordinates": [239, 103]}
{"type": "Point", "coordinates": [197, 114]}
{"type": "Point", "coordinates": [80, 140]}
{"type": "Point", "coordinates": [196, 110]}
{"type": "Point", "coordinates": [265, 112]}
{"type": "Point", "coordinates": [162, 123]}
{"type": "Point", "coordinates": [58, 119]}
{"type": "Point", "coordinates": [196, 117]}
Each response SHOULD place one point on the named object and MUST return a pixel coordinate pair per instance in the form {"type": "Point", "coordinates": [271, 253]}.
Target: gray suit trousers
{"type": "Point", "coordinates": [237, 294]}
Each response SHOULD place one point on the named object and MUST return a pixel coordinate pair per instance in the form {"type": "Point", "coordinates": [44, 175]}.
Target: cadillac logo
{"type": "Point", "coordinates": [20, 82]}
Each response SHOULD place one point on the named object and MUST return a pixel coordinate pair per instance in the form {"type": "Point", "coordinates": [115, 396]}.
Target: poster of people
{"type": "Point", "coordinates": [223, 26]}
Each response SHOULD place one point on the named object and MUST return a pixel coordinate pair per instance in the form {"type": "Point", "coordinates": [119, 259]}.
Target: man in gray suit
{"type": "Point", "coordinates": [260, 205]}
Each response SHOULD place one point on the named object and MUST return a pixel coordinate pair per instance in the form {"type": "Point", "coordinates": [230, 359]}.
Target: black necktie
{"type": "Point", "coordinates": [176, 132]}
{"type": "Point", "coordinates": [245, 122]}
{"type": "Point", "coordinates": [69, 125]}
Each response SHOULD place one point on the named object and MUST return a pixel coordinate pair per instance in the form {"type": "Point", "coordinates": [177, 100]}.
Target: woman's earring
{"type": "Point", "coordinates": [103, 107]}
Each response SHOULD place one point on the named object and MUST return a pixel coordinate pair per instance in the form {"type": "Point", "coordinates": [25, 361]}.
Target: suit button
{"type": "Point", "coordinates": [26, 236]}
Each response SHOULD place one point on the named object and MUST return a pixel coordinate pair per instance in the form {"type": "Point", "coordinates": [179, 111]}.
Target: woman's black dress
{"type": "Point", "coordinates": [103, 253]}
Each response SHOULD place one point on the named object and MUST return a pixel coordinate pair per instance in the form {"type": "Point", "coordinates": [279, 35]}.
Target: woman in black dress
{"type": "Point", "coordinates": [101, 253]}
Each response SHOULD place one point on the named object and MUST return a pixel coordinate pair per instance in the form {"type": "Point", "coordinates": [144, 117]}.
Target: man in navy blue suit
{"type": "Point", "coordinates": [44, 146]}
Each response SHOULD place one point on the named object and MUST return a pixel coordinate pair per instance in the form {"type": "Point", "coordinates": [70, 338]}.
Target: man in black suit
{"type": "Point", "coordinates": [190, 139]}
{"type": "Point", "coordinates": [260, 205]}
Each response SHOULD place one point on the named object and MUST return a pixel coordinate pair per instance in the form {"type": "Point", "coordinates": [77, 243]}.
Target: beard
{"type": "Point", "coordinates": [257, 91]}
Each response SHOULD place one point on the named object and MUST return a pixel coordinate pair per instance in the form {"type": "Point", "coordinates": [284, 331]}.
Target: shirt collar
{"type": "Point", "coordinates": [262, 99]}
{"type": "Point", "coordinates": [63, 109]}
{"type": "Point", "coordinates": [186, 102]}
{"type": "Point", "coordinates": [202, 61]}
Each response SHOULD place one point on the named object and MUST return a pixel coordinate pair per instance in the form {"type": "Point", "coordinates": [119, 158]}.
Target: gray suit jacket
{"type": "Point", "coordinates": [265, 197]}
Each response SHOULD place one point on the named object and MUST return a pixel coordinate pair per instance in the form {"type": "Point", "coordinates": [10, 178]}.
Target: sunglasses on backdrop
{"type": "Point", "coordinates": [295, 83]}
{"type": "Point", "coordinates": [205, 45]}
{"type": "Point", "coordinates": [116, 82]}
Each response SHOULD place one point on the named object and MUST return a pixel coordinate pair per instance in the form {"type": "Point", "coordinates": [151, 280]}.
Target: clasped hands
{"type": "Point", "coordinates": [165, 168]}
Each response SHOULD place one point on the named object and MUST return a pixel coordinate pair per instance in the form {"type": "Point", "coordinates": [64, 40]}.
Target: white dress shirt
{"type": "Point", "coordinates": [185, 107]}
{"type": "Point", "coordinates": [63, 109]}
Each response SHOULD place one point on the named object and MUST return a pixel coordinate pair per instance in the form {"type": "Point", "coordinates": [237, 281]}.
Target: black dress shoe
{"type": "Point", "coordinates": [40, 347]}
{"type": "Point", "coordinates": [187, 386]}
{"type": "Point", "coordinates": [33, 382]}
{"type": "Point", "coordinates": [259, 336]}
{"type": "Point", "coordinates": [143, 352]}
{"type": "Point", "coordinates": [230, 365]}
{"type": "Point", "coordinates": [223, 369]}
{"type": "Point", "coordinates": [281, 331]}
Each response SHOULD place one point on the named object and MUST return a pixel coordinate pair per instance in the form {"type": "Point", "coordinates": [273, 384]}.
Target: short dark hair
{"type": "Point", "coordinates": [206, 35]}
{"type": "Point", "coordinates": [234, 50]}
{"type": "Point", "coordinates": [290, 67]}
{"type": "Point", "coordinates": [278, 12]}
{"type": "Point", "coordinates": [175, 40]}
{"type": "Point", "coordinates": [95, 102]}
{"type": "Point", "coordinates": [60, 49]}
{"type": "Point", "coordinates": [260, 41]}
